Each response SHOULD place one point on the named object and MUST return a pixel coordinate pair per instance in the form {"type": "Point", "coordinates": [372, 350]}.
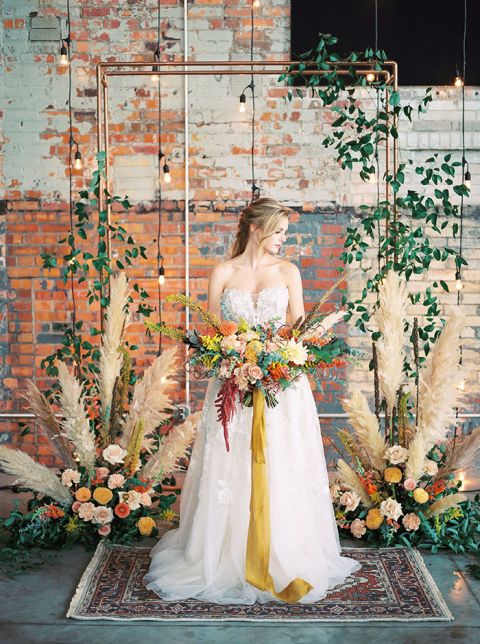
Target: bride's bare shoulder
{"type": "Point", "coordinates": [222, 271]}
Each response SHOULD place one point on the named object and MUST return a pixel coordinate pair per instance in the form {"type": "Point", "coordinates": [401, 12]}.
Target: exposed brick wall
{"type": "Point", "coordinates": [291, 165]}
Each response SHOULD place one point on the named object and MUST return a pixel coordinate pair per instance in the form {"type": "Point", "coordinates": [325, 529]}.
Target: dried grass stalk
{"type": "Point", "coordinates": [75, 423]}
{"type": "Point", "coordinates": [150, 401]}
{"type": "Point", "coordinates": [416, 456]}
{"type": "Point", "coordinates": [48, 424]}
{"type": "Point", "coordinates": [390, 317]}
{"type": "Point", "coordinates": [366, 427]}
{"type": "Point", "coordinates": [438, 391]}
{"type": "Point", "coordinates": [445, 503]}
{"type": "Point", "coordinates": [463, 456]}
{"type": "Point", "coordinates": [111, 358]}
{"type": "Point", "coordinates": [348, 476]}
{"type": "Point", "coordinates": [172, 448]}
{"type": "Point", "coordinates": [32, 475]}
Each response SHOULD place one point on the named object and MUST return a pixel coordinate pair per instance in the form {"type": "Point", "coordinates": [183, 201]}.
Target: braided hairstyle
{"type": "Point", "coordinates": [265, 213]}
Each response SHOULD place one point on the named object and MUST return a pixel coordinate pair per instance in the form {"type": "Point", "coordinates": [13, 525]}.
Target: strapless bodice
{"type": "Point", "coordinates": [255, 308]}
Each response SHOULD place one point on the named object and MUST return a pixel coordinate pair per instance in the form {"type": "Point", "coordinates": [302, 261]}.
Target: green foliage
{"type": "Point", "coordinates": [397, 226]}
{"type": "Point", "coordinates": [80, 267]}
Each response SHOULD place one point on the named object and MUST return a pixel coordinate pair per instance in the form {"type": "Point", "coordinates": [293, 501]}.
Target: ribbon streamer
{"type": "Point", "coordinates": [258, 543]}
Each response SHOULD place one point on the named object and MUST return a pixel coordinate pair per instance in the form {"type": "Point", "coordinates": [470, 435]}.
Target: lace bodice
{"type": "Point", "coordinates": [256, 308]}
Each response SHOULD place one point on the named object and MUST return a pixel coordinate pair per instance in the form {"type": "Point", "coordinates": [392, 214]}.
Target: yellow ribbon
{"type": "Point", "coordinates": [258, 543]}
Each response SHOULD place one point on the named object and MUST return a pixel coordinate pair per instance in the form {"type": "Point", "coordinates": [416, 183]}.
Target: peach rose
{"type": "Point", "coordinates": [391, 508]}
{"type": "Point", "coordinates": [145, 499]}
{"type": "Point", "coordinates": [350, 500]}
{"type": "Point", "coordinates": [115, 481]}
{"type": "Point", "coordinates": [102, 473]}
{"type": "Point", "coordinates": [411, 521]}
{"type": "Point", "coordinates": [114, 454]}
{"type": "Point", "coordinates": [254, 372]}
{"type": "Point", "coordinates": [410, 484]}
{"type": "Point", "coordinates": [103, 515]}
{"type": "Point", "coordinates": [396, 454]}
{"type": "Point", "coordinates": [75, 506]}
{"type": "Point", "coordinates": [70, 476]}
{"type": "Point", "coordinates": [358, 528]}
{"type": "Point", "coordinates": [104, 530]}
{"type": "Point", "coordinates": [86, 511]}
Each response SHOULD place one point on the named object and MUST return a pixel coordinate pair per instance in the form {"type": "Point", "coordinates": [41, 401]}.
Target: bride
{"type": "Point", "coordinates": [206, 556]}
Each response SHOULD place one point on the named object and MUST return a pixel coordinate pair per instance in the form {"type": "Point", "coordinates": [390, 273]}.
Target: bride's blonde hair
{"type": "Point", "coordinates": [265, 213]}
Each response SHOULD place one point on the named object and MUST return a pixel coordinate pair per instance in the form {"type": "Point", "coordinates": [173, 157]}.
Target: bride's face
{"type": "Point", "coordinates": [274, 243]}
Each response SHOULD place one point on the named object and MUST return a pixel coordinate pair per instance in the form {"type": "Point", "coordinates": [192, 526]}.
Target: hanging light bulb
{"type": "Point", "coordinates": [468, 179]}
{"type": "Point", "coordinates": [370, 77]}
{"type": "Point", "coordinates": [372, 178]}
{"type": "Point", "coordinates": [78, 163]}
{"type": "Point", "coordinates": [63, 61]}
{"type": "Point", "coordinates": [458, 281]}
{"type": "Point", "coordinates": [256, 3]}
{"type": "Point", "coordinates": [161, 275]}
{"type": "Point", "coordinates": [243, 100]}
{"type": "Point", "coordinates": [461, 384]}
{"type": "Point", "coordinates": [166, 173]}
{"type": "Point", "coordinates": [458, 80]}
{"type": "Point", "coordinates": [154, 77]}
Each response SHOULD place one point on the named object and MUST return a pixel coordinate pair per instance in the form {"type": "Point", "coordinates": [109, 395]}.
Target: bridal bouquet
{"type": "Point", "coordinates": [404, 484]}
{"type": "Point", "coordinates": [117, 464]}
{"type": "Point", "coordinates": [260, 357]}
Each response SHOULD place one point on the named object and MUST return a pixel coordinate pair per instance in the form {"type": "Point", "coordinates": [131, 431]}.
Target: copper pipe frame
{"type": "Point", "coordinates": [389, 72]}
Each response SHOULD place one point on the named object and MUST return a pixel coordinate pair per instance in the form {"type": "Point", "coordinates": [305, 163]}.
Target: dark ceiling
{"type": "Point", "coordinates": [425, 37]}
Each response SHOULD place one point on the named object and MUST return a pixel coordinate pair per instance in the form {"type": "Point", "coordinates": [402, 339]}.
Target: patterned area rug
{"type": "Point", "coordinates": [394, 584]}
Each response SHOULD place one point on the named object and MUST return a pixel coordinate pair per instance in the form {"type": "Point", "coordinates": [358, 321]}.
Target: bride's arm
{"type": "Point", "coordinates": [295, 303]}
{"type": "Point", "coordinates": [215, 288]}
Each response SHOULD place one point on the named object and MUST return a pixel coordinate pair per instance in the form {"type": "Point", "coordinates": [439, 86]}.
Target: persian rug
{"type": "Point", "coordinates": [393, 585]}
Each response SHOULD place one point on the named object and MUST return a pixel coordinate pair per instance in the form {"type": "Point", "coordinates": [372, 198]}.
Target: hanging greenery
{"type": "Point", "coordinates": [406, 231]}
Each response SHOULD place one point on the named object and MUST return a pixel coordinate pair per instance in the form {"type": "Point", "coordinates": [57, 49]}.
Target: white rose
{"type": "Point", "coordinates": [70, 476]}
{"type": "Point", "coordinates": [295, 351]}
{"type": "Point", "coordinates": [145, 499]}
{"type": "Point", "coordinates": [114, 454]}
{"type": "Point", "coordinates": [350, 500]}
{"type": "Point", "coordinates": [396, 454]}
{"type": "Point", "coordinates": [431, 467]}
{"type": "Point", "coordinates": [335, 491]}
{"type": "Point", "coordinates": [391, 508]}
{"type": "Point", "coordinates": [103, 515]}
{"type": "Point", "coordinates": [132, 499]}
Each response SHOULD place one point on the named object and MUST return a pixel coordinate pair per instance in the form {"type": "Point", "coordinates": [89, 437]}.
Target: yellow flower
{"type": "Point", "coordinates": [420, 495]}
{"type": "Point", "coordinates": [254, 347]}
{"type": "Point", "coordinates": [169, 515]}
{"type": "Point", "coordinates": [83, 494]}
{"type": "Point", "coordinates": [102, 495]}
{"type": "Point", "coordinates": [374, 519]}
{"type": "Point", "coordinates": [72, 525]}
{"type": "Point", "coordinates": [212, 343]}
{"type": "Point", "coordinates": [145, 526]}
{"type": "Point", "coordinates": [243, 325]}
{"type": "Point", "coordinates": [392, 474]}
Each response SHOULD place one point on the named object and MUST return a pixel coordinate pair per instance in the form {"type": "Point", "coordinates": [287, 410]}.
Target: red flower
{"type": "Point", "coordinates": [122, 510]}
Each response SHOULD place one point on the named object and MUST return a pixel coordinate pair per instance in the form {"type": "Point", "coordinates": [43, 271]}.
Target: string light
{"type": "Point", "coordinates": [161, 274]}
{"type": "Point", "coordinates": [370, 77]}
{"type": "Point", "coordinates": [467, 179]}
{"type": "Point", "coordinates": [78, 163]}
{"type": "Point", "coordinates": [372, 178]}
{"type": "Point", "coordinates": [458, 280]}
{"type": "Point", "coordinates": [63, 60]}
{"type": "Point", "coordinates": [166, 173]}
{"type": "Point", "coordinates": [256, 3]}
{"type": "Point", "coordinates": [458, 82]}
{"type": "Point", "coordinates": [461, 385]}
{"type": "Point", "coordinates": [243, 100]}
{"type": "Point", "coordinates": [155, 68]}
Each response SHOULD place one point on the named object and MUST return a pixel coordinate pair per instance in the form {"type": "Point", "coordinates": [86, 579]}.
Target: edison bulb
{"type": "Point", "coordinates": [458, 81]}
{"type": "Point", "coordinates": [167, 177]}
{"type": "Point", "coordinates": [370, 77]}
{"type": "Point", "coordinates": [161, 279]}
{"type": "Point", "coordinates": [458, 284]}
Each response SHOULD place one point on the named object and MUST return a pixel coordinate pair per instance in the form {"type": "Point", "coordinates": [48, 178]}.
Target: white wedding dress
{"type": "Point", "coordinates": [204, 558]}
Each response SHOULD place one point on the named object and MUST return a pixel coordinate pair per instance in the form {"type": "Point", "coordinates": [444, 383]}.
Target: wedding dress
{"type": "Point", "coordinates": [204, 558]}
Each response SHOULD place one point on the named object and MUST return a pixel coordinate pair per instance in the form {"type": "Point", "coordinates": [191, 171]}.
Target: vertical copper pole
{"type": "Point", "coordinates": [387, 157]}
{"type": "Point", "coordinates": [106, 199]}
{"type": "Point", "coordinates": [395, 164]}
{"type": "Point", "coordinates": [100, 178]}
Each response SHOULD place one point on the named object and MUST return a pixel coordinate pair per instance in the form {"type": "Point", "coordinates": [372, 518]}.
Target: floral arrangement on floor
{"type": "Point", "coordinates": [266, 356]}
{"type": "Point", "coordinates": [118, 466]}
{"type": "Point", "coordinates": [404, 486]}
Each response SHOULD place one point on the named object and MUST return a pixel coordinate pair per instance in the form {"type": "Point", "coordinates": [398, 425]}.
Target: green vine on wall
{"type": "Point", "coordinates": [394, 230]}
{"type": "Point", "coordinates": [93, 269]}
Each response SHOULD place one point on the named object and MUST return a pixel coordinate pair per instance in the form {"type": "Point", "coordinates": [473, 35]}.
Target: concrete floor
{"type": "Point", "coordinates": [34, 604]}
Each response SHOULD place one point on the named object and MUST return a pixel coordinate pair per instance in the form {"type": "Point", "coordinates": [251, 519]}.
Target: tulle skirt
{"type": "Point", "coordinates": [205, 556]}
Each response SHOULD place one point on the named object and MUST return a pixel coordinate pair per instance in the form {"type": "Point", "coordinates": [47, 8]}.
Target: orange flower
{"type": "Point", "coordinates": [228, 327]}
{"type": "Point", "coordinates": [54, 512]}
{"type": "Point", "coordinates": [278, 371]}
{"type": "Point", "coordinates": [83, 494]}
{"type": "Point", "coordinates": [285, 332]}
{"type": "Point", "coordinates": [122, 510]}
